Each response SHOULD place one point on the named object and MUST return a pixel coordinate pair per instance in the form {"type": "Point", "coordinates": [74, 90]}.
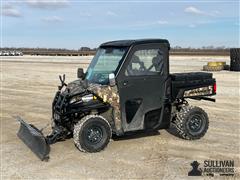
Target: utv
{"type": "Point", "coordinates": [127, 87]}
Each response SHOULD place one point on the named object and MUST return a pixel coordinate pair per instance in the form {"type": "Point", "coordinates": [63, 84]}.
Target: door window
{"type": "Point", "coordinates": [146, 62]}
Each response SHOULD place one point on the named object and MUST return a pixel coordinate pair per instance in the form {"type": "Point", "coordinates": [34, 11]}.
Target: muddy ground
{"type": "Point", "coordinates": [28, 86]}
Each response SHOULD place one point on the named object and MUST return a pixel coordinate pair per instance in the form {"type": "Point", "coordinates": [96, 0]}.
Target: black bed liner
{"type": "Point", "coordinates": [190, 76]}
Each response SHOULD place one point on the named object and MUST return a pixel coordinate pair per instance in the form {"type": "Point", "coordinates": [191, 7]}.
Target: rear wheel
{"type": "Point", "coordinates": [191, 122]}
{"type": "Point", "coordinates": [92, 133]}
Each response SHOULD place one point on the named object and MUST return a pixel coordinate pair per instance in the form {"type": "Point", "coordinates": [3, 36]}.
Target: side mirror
{"type": "Point", "coordinates": [80, 73]}
{"type": "Point", "coordinates": [112, 81]}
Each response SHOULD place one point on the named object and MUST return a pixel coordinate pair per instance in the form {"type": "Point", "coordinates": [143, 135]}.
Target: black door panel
{"type": "Point", "coordinates": [142, 91]}
{"type": "Point", "coordinates": [150, 91]}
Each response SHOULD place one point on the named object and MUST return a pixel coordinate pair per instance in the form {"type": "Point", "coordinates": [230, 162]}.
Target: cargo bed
{"type": "Point", "coordinates": [182, 82]}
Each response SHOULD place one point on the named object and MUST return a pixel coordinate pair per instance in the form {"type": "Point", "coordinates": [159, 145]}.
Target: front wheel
{"type": "Point", "coordinates": [92, 133]}
{"type": "Point", "coordinates": [191, 122]}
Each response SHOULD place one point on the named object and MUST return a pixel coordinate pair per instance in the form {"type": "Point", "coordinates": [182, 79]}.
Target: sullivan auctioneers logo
{"type": "Point", "coordinates": [212, 167]}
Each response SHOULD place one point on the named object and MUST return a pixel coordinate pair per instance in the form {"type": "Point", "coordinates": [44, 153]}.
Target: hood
{"type": "Point", "coordinates": [75, 87]}
{"type": "Point", "coordinates": [80, 86]}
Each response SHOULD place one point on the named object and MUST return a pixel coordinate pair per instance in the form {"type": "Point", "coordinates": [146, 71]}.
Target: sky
{"type": "Point", "coordinates": [75, 23]}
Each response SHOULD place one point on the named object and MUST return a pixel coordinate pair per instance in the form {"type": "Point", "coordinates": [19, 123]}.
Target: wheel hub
{"type": "Point", "coordinates": [94, 134]}
{"type": "Point", "coordinates": [195, 123]}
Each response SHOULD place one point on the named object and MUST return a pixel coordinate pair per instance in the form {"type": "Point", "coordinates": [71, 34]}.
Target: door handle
{"type": "Point", "coordinates": [125, 83]}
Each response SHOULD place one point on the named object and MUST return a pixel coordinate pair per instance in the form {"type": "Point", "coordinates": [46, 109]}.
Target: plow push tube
{"type": "Point", "coordinates": [34, 139]}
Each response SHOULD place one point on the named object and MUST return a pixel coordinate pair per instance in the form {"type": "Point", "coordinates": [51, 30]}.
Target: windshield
{"type": "Point", "coordinates": [104, 63]}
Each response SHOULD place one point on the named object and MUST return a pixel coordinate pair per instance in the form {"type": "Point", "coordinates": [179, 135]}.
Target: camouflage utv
{"type": "Point", "coordinates": [126, 88]}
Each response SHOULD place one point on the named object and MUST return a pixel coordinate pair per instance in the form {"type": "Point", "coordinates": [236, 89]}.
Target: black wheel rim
{"type": "Point", "coordinates": [195, 123]}
{"type": "Point", "coordinates": [94, 134]}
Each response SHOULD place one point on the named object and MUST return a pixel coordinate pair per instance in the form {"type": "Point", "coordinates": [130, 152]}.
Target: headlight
{"type": "Point", "coordinates": [87, 98]}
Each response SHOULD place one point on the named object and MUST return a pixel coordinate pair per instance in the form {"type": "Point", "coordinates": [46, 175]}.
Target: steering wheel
{"type": "Point", "coordinates": [98, 77]}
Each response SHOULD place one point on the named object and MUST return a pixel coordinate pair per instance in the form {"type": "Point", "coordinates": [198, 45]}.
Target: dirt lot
{"type": "Point", "coordinates": [28, 86]}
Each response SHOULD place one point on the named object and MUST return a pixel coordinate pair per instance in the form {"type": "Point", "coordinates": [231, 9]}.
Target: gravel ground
{"type": "Point", "coordinates": [28, 86]}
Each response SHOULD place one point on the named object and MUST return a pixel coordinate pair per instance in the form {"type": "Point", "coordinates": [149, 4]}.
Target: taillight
{"type": "Point", "coordinates": [215, 88]}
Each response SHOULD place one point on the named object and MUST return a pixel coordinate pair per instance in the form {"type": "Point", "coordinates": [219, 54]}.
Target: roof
{"type": "Point", "coordinates": [133, 42]}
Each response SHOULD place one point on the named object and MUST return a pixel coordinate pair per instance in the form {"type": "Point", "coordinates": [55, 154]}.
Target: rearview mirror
{"type": "Point", "coordinates": [112, 81]}
{"type": "Point", "coordinates": [80, 73]}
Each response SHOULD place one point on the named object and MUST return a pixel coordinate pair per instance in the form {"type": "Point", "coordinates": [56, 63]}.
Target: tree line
{"type": "Point", "coordinates": [178, 50]}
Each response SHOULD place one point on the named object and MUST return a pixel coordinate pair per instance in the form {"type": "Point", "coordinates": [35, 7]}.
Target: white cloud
{"type": "Point", "coordinates": [201, 23]}
{"type": "Point", "coordinates": [52, 19]}
{"type": "Point", "coordinates": [192, 26]}
{"type": "Point", "coordinates": [50, 4]}
{"type": "Point", "coordinates": [10, 11]}
{"type": "Point", "coordinates": [152, 23]}
{"type": "Point", "coordinates": [216, 12]}
{"type": "Point", "coordinates": [7, 6]}
{"type": "Point", "coordinates": [196, 11]}
{"type": "Point", "coordinates": [85, 14]}
{"type": "Point", "coordinates": [110, 13]}
{"type": "Point", "coordinates": [162, 22]}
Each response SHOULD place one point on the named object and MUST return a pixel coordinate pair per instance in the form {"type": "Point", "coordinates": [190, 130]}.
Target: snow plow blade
{"type": "Point", "coordinates": [34, 139]}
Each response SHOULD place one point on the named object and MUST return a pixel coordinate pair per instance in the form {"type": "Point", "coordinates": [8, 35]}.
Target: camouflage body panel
{"type": "Point", "coordinates": [109, 94]}
{"type": "Point", "coordinates": [77, 86]}
{"type": "Point", "coordinates": [203, 91]}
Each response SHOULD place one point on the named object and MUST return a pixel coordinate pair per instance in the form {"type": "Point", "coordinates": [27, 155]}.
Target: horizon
{"type": "Point", "coordinates": [70, 24]}
{"type": "Point", "coordinates": [94, 48]}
